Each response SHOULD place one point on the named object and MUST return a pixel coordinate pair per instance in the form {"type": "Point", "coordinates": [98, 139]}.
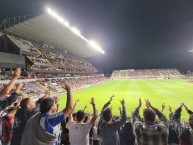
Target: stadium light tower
{"type": "Point", "coordinates": [61, 20]}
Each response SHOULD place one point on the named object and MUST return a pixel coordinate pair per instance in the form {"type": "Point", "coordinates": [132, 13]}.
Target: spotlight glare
{"type": "Point", "coordinates": [92, 43]}
{"type": "Point", "coordinates": [49, 11]}
{"type": "Point", "coordinates": [60, 19]}
{"type": "Point", "coordinates": [76, 31]}
{"type": "Point", "coordinates": [66, 23]}
{"type": "Point", "coordinates": [96, 46]}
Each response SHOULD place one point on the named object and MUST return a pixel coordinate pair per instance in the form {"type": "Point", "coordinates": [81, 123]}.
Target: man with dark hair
{"type": "Point", "coordinates": [27, 110]}
{"type": "Point", "coordinates": [185, 133]}
{"type": "Point", "coordinates": [80, 116]}
{"type": "Point", "coordinates": [107, 129]}
{"type": "Point", "coordinates": [150, 132]}
{"type": "Point", "coordinates": [44, 126]}
{"type": "Point", "coordinates": [7, 125]}
{"type": "Point", "coordinates": [173, 137]}
{"type": "Point", "coordinates": [79, 131]}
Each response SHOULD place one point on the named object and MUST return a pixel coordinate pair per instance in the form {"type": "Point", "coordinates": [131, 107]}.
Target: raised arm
{"type": "Point", "coordinates": [179, 128]}
{"type": "Point", "coordinates": [171, 113]}
{"type": "Point", "coordinates": [135, 114]}
{"type": "Point", "coordinates": [118, 123]}
{"type": "Point", "coordinates": [11, 84]}
{"type": "Point", "coordinates": [69, 102]}
{"type": "Point", "coordinates": [93, 119]}
{"type": "Point", "coordinates": [70, 115]}
{"type": "Point", "coordinates": [85, 108]}
{"type": "Point", "coordinates": [188, 110]}
{"type": "Point", "coordinates": [163, 107]}
{"type": "Point", "coordinates": [107, 104]}
{"type": "Point", "coordinates": [18, 87]}
{"type": "Point", "coordinates": [160, 115]}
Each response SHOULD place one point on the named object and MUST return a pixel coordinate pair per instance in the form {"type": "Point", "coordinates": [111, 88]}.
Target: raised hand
{"type": "Point", "coordinates": [85, 107]}
{"type": "Point", "coordinates": [146, 103]}
{"type": "Point", "coordinates": [140, 103]}
{"type": "Point", "coordinates": [67, 86]}
{"type": "Point", "coordinates": [92, 101]}
{"type": "Point", "coordinates": [181, 105]}
{"type": "Point", "coordinates": [170, 109]}
{"type": "Point", "coordinates": [163, 106]}
{"type": "Point", "coordinates": [111, 98]}
{"type": "Point", "coordinates": [119, 108]}
{"type": "Point", "coordinates": [17, 73]}
{"type": "Point", "coordinates": [149, 104]}
{"type": "Point", "coordinates": [122, 102]}
{"type": "Point", "coordinates": [18, 87]}
{"type": "Point", "coordinates": [76, 102]}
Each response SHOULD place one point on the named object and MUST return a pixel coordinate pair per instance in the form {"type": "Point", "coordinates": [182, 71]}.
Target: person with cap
{"type": "Point", "coordinates": [44, 126]}
{"type": "Point", "coordinates": [185, 134]}
{"type": "Point", "coordinates": [107, 129]}
{"type": "Point", "coordinates": [149, 132]}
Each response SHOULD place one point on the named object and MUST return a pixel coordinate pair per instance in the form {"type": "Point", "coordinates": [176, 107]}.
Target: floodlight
{"type": "Point", "coordinates": [76, 31]}
{"type": "Point", "coordinates": [66, 23]}
{"type": "Point", "coordinates": [92, 43]}
{"type": "Point", "coordinates": [96, 46]}
{"type": "Point", "coordinates": [49, 11]}
{"type": "Point", "coordinates": [60, 19]}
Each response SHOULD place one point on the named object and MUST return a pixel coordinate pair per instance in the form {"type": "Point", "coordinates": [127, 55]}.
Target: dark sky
{"type": "Point", "coordinates": [134, 33]}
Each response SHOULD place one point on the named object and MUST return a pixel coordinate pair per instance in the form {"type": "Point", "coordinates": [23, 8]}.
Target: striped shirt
{"type": "Point", "coordinates": [50, 123]}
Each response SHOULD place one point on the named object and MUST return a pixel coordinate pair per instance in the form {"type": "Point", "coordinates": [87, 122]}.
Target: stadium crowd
{"type": "Point", "coordinates": [146, 73]}
{"type": "Point", "coordinates": [28, 122]}
{"type": "Point", "coordinates": [50, 58]}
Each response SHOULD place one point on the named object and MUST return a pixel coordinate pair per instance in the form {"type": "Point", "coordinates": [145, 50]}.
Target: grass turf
{"type": "Point", "coordinates": [171, 92]}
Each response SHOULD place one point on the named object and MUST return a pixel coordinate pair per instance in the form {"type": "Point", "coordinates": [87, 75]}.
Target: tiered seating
{"type": "Point", "coordinates": [55, 84]}
{"type": "Point", "coordinates": [174, 72]}
{"type": "Point", "coordinates": [148, 73]}
{"type": "Point", "coordinates": [115, 74]}
{"type": "Point", "coordinates": [32, 89]}
{"type": "Point", "coordinates": [70, 61]}
{"type": "Point", "coordinates": [52, 59]}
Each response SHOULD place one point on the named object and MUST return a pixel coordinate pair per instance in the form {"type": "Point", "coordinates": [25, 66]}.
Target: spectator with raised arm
{"type": "Point", "coordinates": [150, 132]}
{"type": "Point", "coordinates": [101, 120]}
{"type": "Point", "coordinates": [173, 137]}
{"type": "Point", "coordinates": [185, 134]}
{"type": "Point", "coordinates": [163, 107]}
{"type": "Point", "coordinates": [108, 130]}
{"type": "Point", "coordinates": [11, 84]}
{"type": "Point", "coordinates": [79, 131]}
{"type": "Point", "coordinates": [44, 126]}
{"type": "Point", "coordinates": [11, 99]}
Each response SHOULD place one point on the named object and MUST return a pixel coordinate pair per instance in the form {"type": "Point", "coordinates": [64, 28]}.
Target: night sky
{"type": "Point", "coordinates": [135, 34]}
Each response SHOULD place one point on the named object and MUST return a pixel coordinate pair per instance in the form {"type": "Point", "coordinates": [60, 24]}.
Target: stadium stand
{"type": "Point", "coordinates": [44, 57]}
{"type": "Point", "coordinates": [147, 73]}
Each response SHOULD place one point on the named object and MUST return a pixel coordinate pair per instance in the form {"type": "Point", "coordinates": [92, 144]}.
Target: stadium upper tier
{"type": "Point", "coordinates": [56, 33]}
{"type": "Point", "coordinates": [44, 57]}
{"type": "Point", "coordinates": [148, 73]}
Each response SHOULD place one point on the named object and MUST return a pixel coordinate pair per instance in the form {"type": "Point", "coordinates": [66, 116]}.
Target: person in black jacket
{"type": "Point", "coordinates": [27, 110]}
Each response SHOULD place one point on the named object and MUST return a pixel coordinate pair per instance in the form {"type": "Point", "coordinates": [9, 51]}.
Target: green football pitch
{"type": "Point", "coordinates": [171, 92]}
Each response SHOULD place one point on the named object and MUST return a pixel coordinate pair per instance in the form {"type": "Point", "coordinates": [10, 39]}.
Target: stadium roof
{"type": "Point", "coordinates": [57, 33]}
